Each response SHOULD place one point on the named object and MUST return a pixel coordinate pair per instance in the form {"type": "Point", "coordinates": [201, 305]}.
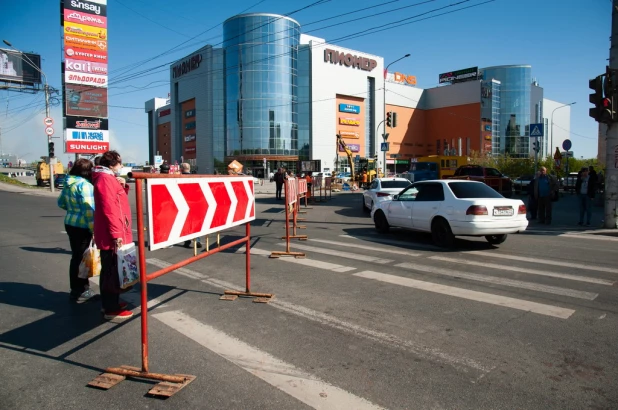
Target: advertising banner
{"type": "Point", "coordinates": [459, 76]}
{"type": "Point", "coordinates": [190, 137]}
{"type": "Point", "coordinates": [86, 43]}
{"type": "Point", "coordinates": [95, 80]}
{"type": "Point", "coordinates": [349, 121]}
{"type": "Point", "coordinates": [18, 67]}
{"type": "Point", "coordinates": [83, 123]}
{"type": "Point", "coordinates": [352, 147]}
{"type": "Point", "coordinates": [354, 109]}
{"type": "Point", "coordinates": [83, 100]}
{"type": "Point", "coordinates": [86, 67]}
{"type": "Point", "coordinates": [75, 53]}
{"type": "Point", "coordinates": [88, 19]}
{"type": "Point", "coordinates": [85, 147]}
{"type": "Point", "coordinates": [73, 134]}
{"type": "Point", "coordinates": [82, 30]}
{"type": "Point", "coordinates": [349, 134]}
{"type": "Point", "coordinates": [98, 8]}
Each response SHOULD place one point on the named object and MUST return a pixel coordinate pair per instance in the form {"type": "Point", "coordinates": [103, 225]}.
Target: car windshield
{"type": "Point", "coordinates": [394, 184]}
{"type": "Point", "coordinates": [467, 190]}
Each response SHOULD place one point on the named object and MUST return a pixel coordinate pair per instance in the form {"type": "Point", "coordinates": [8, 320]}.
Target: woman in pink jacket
{"type": "Point", "coordinates": [112, 229]}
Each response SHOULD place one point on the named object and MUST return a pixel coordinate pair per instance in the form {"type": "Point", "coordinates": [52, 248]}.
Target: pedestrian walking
{"type": "Point", "coordinates": [77, 198]}
{"type": "Point", "coordinates": [545, 188]}
{"type": "Point", "coordinates": [112, 229]}
{"type": "Point", "coordinates": [186, 170]}
{"type": "Point", "coordinates": [279, 179]}
{"type": "Point", "coordinates": [585, 187]}
{"type": "Point", "coordinates": [532, 203]}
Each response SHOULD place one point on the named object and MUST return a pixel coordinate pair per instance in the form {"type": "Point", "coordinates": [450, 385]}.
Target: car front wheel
{"type": "Point", "coordinates": [381, 222]}
{"type": "Point", "coordinates": [442, 234]}
{"type": "Point", "coordinates": [496, 239]}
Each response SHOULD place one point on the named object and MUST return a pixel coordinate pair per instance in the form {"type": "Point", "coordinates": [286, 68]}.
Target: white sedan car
{"type": "Point", "coordinates": [449, 208]}
{"type": "Point", "coordinates": [382, 189]}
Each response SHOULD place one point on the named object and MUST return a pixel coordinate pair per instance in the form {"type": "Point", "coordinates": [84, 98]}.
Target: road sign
{"type": "Point", "coordinates": [49, 131]}
{"type": "Point", "coordinates": [536, 130]}
{"type": "Point", "coordinates": [384, 146]}
{"type": "Point", "coordinates": [48, 121]}
{"type": "Point", "coordinates": [180, 209]}
{"type": "Point", "coordinates": [566, 145]}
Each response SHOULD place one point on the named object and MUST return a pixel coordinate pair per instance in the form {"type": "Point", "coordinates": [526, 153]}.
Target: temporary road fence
{"type": "Point", "coordinates": [291, 200]}
{"type": "Point", "coordinates": [181, 208]}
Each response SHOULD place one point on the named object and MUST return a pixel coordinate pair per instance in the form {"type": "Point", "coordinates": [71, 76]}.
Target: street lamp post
{"type": "Point", "coordinates": [46, 89]}
{"type": "Point", "coordinates": [551, 148]}
{"type": "Point", "coordinates": [384, 134]}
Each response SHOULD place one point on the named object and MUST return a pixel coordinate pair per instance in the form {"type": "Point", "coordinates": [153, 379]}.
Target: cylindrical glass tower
{"type": "Point", "coordinates": [261, 52]}
{"type": "Point", "coordinates": [515, 86]}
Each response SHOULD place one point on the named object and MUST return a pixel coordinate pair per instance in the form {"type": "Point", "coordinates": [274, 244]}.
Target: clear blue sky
{"type": "Point", "coordinates": [565, 41]}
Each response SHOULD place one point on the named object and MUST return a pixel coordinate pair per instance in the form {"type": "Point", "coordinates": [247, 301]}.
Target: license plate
{"type": "Point", "coordinates": [503, 211]}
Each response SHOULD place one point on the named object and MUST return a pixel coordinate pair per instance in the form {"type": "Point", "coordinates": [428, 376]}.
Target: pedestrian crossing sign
{"type": "Point", "coordinates": [536, 130]}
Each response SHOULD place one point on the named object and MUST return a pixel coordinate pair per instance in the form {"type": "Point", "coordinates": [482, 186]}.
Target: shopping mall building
{"type": "Point", "coordinates": [270, 96]}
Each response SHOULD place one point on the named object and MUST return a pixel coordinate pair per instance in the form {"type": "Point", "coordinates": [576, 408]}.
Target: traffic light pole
{"type": "Point", "coordinates": [611, 142]}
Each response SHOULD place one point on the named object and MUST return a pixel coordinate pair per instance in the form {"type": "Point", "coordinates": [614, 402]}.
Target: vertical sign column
{"type": "Point", "coordinates": [85, 78]}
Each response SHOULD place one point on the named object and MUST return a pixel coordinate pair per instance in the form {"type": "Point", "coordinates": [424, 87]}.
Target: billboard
{"type": "Point", "coordinates": [353, 109]}
{"type": "Point", "coordinates": [352, 147]}
{"type": "Point", "coordinates": [83, 100]}
{"type": "Point", "coordinates": [20, 67]}
{"type": "Point", "coordinates": [85, 76]}
{"type": "Point", "coordinates": [84, 123]}
{"type": "Point", "coordinates": [459, 76]}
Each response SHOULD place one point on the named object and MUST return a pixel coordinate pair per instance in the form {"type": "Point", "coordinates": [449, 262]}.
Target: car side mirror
{"type": "Point", "coordinates": [395, 197]}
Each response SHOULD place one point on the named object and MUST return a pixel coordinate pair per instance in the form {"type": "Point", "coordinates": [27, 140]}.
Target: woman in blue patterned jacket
{"type": "Point", "coordinates": [77, 198]}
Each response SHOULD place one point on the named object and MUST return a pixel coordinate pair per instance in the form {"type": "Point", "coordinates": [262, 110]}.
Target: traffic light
{"type": "Point", "coordinates": [536, 146]}
{"type": "Point", "coordinates": [389, 119]}
{"type": "Point", "coordinates": [394, 120]}
{"type": "Point", "coordinates": [50, 150]}
{"type": "Point", "coordinates": [596, 98]}
{"type": "Point", "coordinates": [608, 113]}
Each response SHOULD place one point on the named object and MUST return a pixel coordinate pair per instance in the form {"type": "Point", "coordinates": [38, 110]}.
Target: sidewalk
{"type": "Point", "coordinates": [29, 191]}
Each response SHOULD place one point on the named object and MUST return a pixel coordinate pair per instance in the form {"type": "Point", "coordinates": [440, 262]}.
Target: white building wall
{"type": "Point", "coordinates": [194, 84]}
{"type": "Point", "coordinates": [328, 80]}
{"type": "Point", "coordinates": [561, 129]}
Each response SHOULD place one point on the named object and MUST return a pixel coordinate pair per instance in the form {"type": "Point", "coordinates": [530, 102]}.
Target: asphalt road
{"type": "Point", "coordinates": [365, 321]}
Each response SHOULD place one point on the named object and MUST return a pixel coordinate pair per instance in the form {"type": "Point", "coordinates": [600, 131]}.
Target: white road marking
{"type": "Point", "coordinates": [375, 239]}
{"type": "Point", "coordinates": [286, 377]}
{"type": "Point", "coordinates": [547, 261]}
{"type": "Point", "coordinates": [133, 297]}
{"type": "Point", "coordinates": [500, 281]}
{"type": "Point", "coordinates": [525, 270]}
{"type": "Point", "coordinates": [341, 254]}
{"type": "Point", "coordinates": [389, 340]}
{"type": "Point", "coordinates": [307, 262]}
{"type": "Point", "coordinates": [513, 303]}
{"type": "Point", "coordinates": [589, 236]}
{"type": "Point", "coordinates": [63, 231]}
{"type": "Point", "coordinates": [366, 247]}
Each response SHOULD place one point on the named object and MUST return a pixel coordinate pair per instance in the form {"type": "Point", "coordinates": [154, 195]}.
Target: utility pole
{"type": "Point", "coordinates": [611, 142]}
{"type": "Point", "coordinates": [52, 161]}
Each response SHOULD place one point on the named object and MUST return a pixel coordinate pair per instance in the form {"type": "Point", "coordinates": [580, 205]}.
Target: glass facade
{"type": "Point", "coordinates": [218, 110]}
{"type": "Point", "coordinates": [261, 85]}
{"type": "Point", "coordinates": [514, 113]}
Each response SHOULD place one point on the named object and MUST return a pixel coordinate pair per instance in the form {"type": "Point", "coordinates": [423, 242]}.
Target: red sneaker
{"type": "Point", "coordinates": [118, 315]}
{"type": "Point", "coordinates": [122, 305]}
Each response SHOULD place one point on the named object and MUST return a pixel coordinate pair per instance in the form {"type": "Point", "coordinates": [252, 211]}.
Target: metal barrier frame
{"type": "Point", "coordinates": [171, 383]}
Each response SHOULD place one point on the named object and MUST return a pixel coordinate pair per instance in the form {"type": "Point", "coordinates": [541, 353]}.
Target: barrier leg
{"type": "Point", "coordinates": [288, 252]}
{"type": "Point", "coordinates": [233, 294]}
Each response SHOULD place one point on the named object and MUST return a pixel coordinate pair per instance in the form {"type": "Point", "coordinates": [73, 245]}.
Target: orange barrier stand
{"type": "Point", "coordinates": [291, 198]}
{"type": "Point", "coordinates": [200, 205]}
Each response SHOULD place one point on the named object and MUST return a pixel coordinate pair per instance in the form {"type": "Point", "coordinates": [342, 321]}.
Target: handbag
{"type": "Point", "coordinates": [128, 274]}
{"type": "Point", "coordinates": [91, 262]}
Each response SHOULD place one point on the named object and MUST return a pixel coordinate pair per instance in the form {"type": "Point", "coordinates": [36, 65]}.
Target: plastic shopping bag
{"type": "Point", "coordinates": [91, 262]}
{"type": "Point", "coordinates": [127, 265]}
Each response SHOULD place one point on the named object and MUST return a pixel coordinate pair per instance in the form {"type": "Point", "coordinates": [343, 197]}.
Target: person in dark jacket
{"type": "Point", "coordinates": [279, 179]}
{"type": "Point", "coordinates": [532, 203]}
{"type": "Point", "coordinates": [545, 187]}
{"type": "Point", "coordinates": [585, 188]}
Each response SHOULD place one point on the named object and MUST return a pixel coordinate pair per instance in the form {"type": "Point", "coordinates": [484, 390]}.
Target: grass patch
{"type": "Point", "coordinates": [13, 181]}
